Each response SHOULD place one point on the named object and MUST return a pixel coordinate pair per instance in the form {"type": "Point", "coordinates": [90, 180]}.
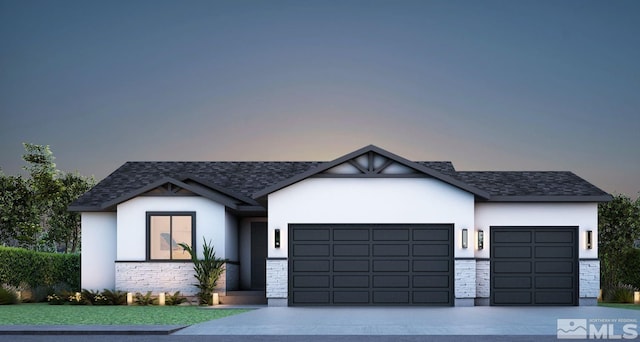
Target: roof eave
{"type": "Point", "coordinates": [549, 198]}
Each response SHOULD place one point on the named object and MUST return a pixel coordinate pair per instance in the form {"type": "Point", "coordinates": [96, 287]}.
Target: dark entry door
{"type": "Point", "coordinates": [258, 255]}
{"type": "Point", "coordinates": [534, 265]}
{"type": "Point", "coordinates": [371, 264]}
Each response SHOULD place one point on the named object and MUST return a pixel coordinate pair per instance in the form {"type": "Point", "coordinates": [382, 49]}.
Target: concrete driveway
{"type": "Point", "coordinates": [534, 321]}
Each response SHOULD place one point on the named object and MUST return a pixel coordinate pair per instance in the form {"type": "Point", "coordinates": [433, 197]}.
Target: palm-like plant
{"type": "Point", "coordinates": [208, 270]}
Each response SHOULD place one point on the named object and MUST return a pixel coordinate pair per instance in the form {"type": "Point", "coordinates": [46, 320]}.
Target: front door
{"type": "Point", "coordinates": [258, 255]}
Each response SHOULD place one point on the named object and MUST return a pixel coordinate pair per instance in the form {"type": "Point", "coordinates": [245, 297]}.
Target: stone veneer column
{"type": "Point", "coordinates": [465, 282]}
{"type": "Point", "coordinates": [483, 282]}
{"type": "Point", "coordinates": [277, 282]}
{"type": "Point", "coordinates": [589, 281]}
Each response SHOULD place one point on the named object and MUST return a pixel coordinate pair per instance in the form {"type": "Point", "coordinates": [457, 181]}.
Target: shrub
{"type": "Point", "coordinates": [115, 297]}
{"type": "Point", "coordinates": [89, 296]}
{"type": "Point", "coordinates": [143, 299]}
{"type": "Point", "coordinates": [175, 299]}
{"type": "Point", "coordinates": [20, 266]}
{"type": "Point", "coordinates": [622, 293]}
{"type": "Point", "coordinates": [208, 270]}
{"type": "Point", "coordinates": [55, 299]}
{"type": "Point", "coordinates": [75, 298]}
{"type": "Point", "coordinates": [8, 296]}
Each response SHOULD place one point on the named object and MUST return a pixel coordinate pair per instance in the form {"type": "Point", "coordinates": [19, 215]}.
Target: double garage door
{"type": "Point", "coordinates": [369, 264]}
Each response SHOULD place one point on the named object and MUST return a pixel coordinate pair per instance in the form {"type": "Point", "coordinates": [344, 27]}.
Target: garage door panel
{"type": "Point", "coordinates": [351, 266]}
{"type": "Point", "coordinates": [311, 297]}
{"type": "Point", "coordinates": [391, 281]}
{"type": "Point", "coordinates": [431, 297]}
{"type": "Point", "coordinates": [311, 234]}
{"type": "Point", "coordinates": [311, 266]}
{"type": "Point", "coordinates": [554, 297]}
{"type": "Point", "coordinates": [391, 297]}
{"type": "Point", "coordinates": [441, 234]}
{"type": "Point", "coordinates": [391, 235]}
{"type": "Point", "coordinates": [390, 250]}
{"type": "Point", "coordinates": [431, 265]}
{"type": "Point", "coordinates": [561, 237]}
{"type": "Point", "coordinates": [371, 264]}
{"type": "Point", "coordinates": [310, 281]}
{"type": "Point", "coordinates": [433, 281]}
{"type": "Point", "coordinates": [537, 271]}
{"type": "Point", "coordinates": [351, 281]}
{"type": "Point", "coordinates": [350, 235]}
{"type": "Point", "coordinates": [431, 250]}
{"type": "Point", "coordinates": [311, 250]}
{"type": "Point", "coordinates": [511, 237]}
{"type": "Point", "coordinates": [351, 297]}
{"type": "Point", "coordinates": [511, 267]}
{"type": "Point", "coordinates": [554, 252]}
{"type": "Point", "coordinates": [512, 251]}
{"type": "Point", "coordinates": [513, 282]}
{"type": "Point", "coordinates": [554, 266]}
{"type": "Point", "coordinates": [391, 265]}
{"type": "Point", "coordinates": [556, 282]}
{"type": "Point", "coordinates": [350, 250]}
{"type": "Point", "coordinates": [513, 298]}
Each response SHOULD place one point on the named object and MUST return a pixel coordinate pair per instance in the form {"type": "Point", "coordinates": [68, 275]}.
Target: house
{"type": "Point", "coordinates": [368, 228]}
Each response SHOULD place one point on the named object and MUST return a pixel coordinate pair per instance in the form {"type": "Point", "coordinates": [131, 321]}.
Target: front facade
{"type": "Point", "coordinates": [369, 228]}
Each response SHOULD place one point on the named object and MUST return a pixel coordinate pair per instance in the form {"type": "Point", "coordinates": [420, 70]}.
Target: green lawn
{"type": "Point", "coordinates": [41, 314]}
{"type": "Point", "coordinates": [621, 306]}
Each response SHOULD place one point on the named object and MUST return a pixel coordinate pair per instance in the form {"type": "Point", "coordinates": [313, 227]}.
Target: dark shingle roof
{"type": "Point", "coordinates": [530, 183]}
{"type": "Point", "coordinates": [248, 178]}
{"type": "Point", "coordinates": [244, 178]}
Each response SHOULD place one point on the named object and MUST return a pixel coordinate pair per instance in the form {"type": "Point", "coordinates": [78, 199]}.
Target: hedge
{"type": "Point", "coordinates": [19, 265]}
{"type": "Point", "coordinates": [630, 269]}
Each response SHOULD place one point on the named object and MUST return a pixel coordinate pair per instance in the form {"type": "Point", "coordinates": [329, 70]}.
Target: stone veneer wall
{"type": "Point", "coordinates": [465, 282]}
{"type": "Point", "coordinates": [483, 282]}
{"type": "Point", "coordinates": [157, 277]}
{"type": "Point", "coordinates": [589, 281]}
{"type": "Point", "coordinates": [277, 282]}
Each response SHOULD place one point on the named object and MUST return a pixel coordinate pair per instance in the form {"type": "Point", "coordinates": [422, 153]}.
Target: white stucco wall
{"type": "Point", "coordinates": [370, 200]}
{"type": "Point", "coordinates": [583, 215]}
{"type": "Point", "coordinates": [98, 250]}
{"type": "Point", "coordinates": [132, 229]}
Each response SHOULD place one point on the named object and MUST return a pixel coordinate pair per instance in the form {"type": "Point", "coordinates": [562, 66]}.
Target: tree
{"type": "Point", "coordinates": [64, 226]}
{"type": "Point", "coordinates": [19, 224]}
{"type": "Point", "coordinates": [33, 210]}
{"type": "Point", "coordinates": [618, 229]}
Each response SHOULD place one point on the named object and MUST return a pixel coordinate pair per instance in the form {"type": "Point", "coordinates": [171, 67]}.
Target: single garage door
{"type": "Point", "coordinates": [371, 264]}
{"type": "Point", "coordinates": [534, 265]}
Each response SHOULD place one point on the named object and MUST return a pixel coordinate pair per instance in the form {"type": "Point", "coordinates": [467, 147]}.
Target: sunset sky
{"type": "Point", "coordinates": [488, 85]}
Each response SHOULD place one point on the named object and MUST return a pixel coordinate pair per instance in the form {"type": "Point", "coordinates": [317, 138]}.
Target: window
{"type": "Point", "coordinates": [165, 231]}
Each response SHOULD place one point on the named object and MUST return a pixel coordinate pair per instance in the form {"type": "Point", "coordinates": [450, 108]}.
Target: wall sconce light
{"type": "Point", "coordinates": [480, 239]}
{"type": "Point", "coordinates": [277, 238]}
{"type": "Point", "coordinates": [465, 238]}
{"type": "Point", "coordinates": [589, 239]}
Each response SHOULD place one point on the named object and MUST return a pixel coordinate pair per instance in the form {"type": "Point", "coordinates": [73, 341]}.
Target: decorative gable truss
{"type": "Point", "coordinates": [370, 164]}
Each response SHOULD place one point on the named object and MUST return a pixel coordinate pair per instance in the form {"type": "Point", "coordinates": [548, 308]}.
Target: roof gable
{"type": "Point", "coordinates": [372, 161]}
{"type": "Point", "coordinates": [169, 184]}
